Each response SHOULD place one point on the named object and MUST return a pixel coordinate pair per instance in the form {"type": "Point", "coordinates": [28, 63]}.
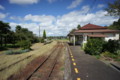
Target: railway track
{"type": "Point", "coordinates": [44, 71]}
{"type": "Point", "coordinates": [45, 66]}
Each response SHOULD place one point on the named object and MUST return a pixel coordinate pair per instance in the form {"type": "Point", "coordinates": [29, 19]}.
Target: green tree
{"type": "Point", "coordinates": [113, 9]}
{"type": "Point", "coordinates": [44, 34]}
{"type": "Point", "coordinates": [18, 28]}
{"type": "Point", "coordinates": [78, 27]}
{"type": "Point", "coordinates": [23, 34]}
{"type": "Point", "coordinates": [4, 31]}
{"type": "Point", "coordinates": [72, 30]}
{"type": "Point", "coordinates": [115, 25]}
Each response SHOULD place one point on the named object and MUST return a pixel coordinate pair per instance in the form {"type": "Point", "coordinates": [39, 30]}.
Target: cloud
{"type": "Point", "coordinates": [61, 25]}
{"type": "Point", "coordinates": [40, 18]}
{"type": "Point", "coordinates": [31, 26]}
{"type": "Point", "coordinates": [23, 2]}
{"type": "Point", "coordinates": [74, 4]}
{"type": "Point", "coordinates": [100, 5]}
{"type": "Point", "coordinates": [51, 1]}
{"type": "Point", "coordinates": [1, 7]}
{"type": "Point", "coordinates": [2, 16]}
{"type": "Point", "coordinates": [85, 9]}
{"type": "Point", "coordinates": [16, 18]}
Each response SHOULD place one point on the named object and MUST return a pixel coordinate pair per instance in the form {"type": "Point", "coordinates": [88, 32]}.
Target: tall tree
{"type": "Point", "coordinates": [78, 27]}
{"type": "Point", "coordinates": [44, 34]}
{"type": "Point", "coordinates": [4, 31]}
{"type": "Point", "coordinates": [115, 25]}
{"type": "Point", "coordinates": [18, 28]}
{"type": "Point", "coordinates": [113, 9]}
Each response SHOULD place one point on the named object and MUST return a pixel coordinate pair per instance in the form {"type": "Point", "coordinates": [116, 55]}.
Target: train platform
{"type": "Point", "coordinates": [86, 67]}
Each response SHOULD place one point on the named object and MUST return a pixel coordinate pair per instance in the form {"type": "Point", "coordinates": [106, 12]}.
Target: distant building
{"type": "Point", "coordinates": [93, 31]}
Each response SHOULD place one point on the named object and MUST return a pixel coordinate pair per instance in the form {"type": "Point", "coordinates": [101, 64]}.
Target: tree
{"type": "Point", "coordinates": [44, 34]}
{"type": "Point", "coordinates": [115, 25]}
{"type": "Point", "coordinates": [78, 27]}
{"type": "Point", "coordinates": [25, 34]}
{"type": "Point", "coordinates": [72, 30]}
{"type": "Point", "coordinates": [18, 28]}
{"type": "Point", "coordinates": [113, 9]}
{"type": "Point", "coordinates": [4, 31]}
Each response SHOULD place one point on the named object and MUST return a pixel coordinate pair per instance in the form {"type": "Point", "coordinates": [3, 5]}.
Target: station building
{"type": "Point", "coordinates": [92, 31]}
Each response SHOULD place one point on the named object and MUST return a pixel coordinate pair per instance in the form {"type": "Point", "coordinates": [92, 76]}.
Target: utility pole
{"type": "Point", "coordinates": [39, 31]}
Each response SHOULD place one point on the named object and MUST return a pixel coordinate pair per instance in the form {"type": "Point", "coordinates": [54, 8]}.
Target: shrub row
{"type": "Point", "coordinates": [97, 46]}
{"type": "Point", "coordinates": [94, 46]}
{"type": "Point", "coordinates": [10, 52]}
{"type": "Point", "coordinates": [24, 44]}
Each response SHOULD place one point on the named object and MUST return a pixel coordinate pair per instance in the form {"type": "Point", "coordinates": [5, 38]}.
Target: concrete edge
{"type": "Point", "coordinates": [67, 71]}
{"type": "Point", "coordinates": [117, 67]}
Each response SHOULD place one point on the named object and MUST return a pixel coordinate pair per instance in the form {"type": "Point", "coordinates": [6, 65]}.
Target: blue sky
{"type": "Point", "coordinates": [57, 17]}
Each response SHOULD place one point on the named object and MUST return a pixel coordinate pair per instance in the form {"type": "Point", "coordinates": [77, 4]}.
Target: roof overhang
{"type": "Point", "coordinates": [97, 35]}
{"type": "Point", "coordinates": [98, 31]}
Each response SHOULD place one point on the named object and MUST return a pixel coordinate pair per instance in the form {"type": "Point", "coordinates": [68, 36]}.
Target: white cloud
{"type": "Point", "coordinates": [100, 5]}
{"type": "Point", "coordinates": [51, 1]}
{"type": "Point", "coordinates": [1, 7]}
{"type": "Point", "coordinates": [85, 9]}
{"type": "Point", "coordinates": [61, 25]}
{"type": "Point", "coordinates": [74, 4]}
{"type": "Point", "coordinates": [16, 18]}
{"type": "Point", "coordinates": [2, 16]}
{"type": "Point", "coordinates": [40, 18]}
{"type": "Point", "coordinates": [23, 2]}
{"type": "Point", "coordinates": [31, 26]}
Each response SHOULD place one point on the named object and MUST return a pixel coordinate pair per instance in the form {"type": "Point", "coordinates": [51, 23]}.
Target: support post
{"type": "Point", "coordinates": [74, 40]}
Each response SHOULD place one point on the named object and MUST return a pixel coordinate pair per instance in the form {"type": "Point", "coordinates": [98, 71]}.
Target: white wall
{"type": "Point", "coordinates": [112, 36]}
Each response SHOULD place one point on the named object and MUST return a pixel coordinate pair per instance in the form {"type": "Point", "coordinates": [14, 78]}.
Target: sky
{"type": "Point", "coordinates": [57, 17]}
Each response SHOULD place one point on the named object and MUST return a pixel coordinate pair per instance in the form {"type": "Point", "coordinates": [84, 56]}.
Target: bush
{"type": "Point", "coordinates": [94, 46]}
{"type": "Point", "coordinates": [25, 44]}
{"type": "Point", "coordinates": [118, 52]}
{"type": "Point", "coordinates": [12, 45]}
{"type": "Point", "coordinates": [112, 46]}
{"type": "Point", "coordinates": [10, 52]}
{"type": "Point", "coordinates": [42, 40]}
{"type": "Point", "coordinates": [108, 54]}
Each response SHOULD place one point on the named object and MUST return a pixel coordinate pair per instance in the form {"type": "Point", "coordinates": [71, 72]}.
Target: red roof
{"type": "Point", "coordinates": [104, 31]}
{"type": "Point", "coordinates": [92, 26]}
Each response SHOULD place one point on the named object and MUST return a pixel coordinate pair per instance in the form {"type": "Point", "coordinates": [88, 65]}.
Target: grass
{"type": "Point", "coordinates": [108, 57]}
{"type": "Point", "coordinates": [63, 40]}
{"type": "Point", "coordinates": [117, 59]}
{"type": "Point", "coordinates": [62, 68]}
{"type": "Point", "coordinates": [6, 60]}
{"type": "Point", "coordinates": [97, 56]}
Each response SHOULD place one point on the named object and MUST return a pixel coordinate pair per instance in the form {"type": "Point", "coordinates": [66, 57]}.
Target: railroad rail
{"type": "Point", "coordinates": [44, 71]}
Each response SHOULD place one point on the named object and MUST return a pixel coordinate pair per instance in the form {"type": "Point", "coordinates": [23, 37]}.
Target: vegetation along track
{"type": "Point", "coordinates": [42, 67]}
{"type": "Point", "coordinates": [15, 63]}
